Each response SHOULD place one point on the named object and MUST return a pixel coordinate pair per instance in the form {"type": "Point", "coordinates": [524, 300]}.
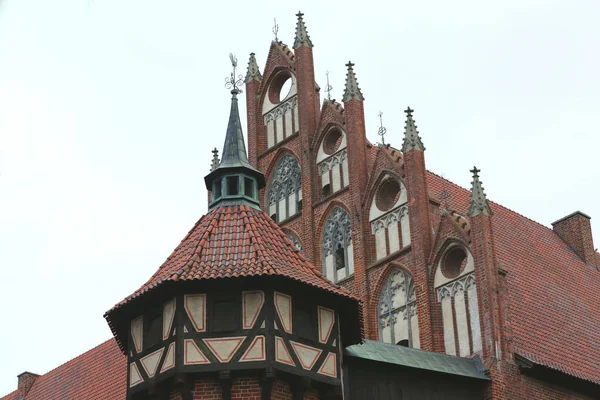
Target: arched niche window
{"type": "Point", "coordinates": [454, 282]}
{"type": "Point", "coordinates": [338, 257]}
{"type": "Point", "coordinates": [398, 323]}
{"type": "Point", "coordinates": [332, 162]}
{"type": "Point", "coordinates": [285, 193]}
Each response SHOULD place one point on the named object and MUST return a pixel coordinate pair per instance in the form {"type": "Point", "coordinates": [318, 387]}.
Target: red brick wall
{"type": "Point", "coordinates": [576, 231]}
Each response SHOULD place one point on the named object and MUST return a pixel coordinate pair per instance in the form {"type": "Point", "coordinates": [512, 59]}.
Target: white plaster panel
{"type": "Point", "coordinates": [289, 129]}
{"type": "Point", "coordinates": [474, 317]}
{"type": "Point", "coordinates": [325, 179]}
{"type": "Point", "coordinates": [134, 375]}
{"type": "Point", "coordinates": [283, 305]}
{"type": "Point", "coordinates": [335, 178]}
{"type": "Point", "coordinates": [169, 359]}
{"type": "Point", "coordinates": [440, 279]}
{"type": "Point", "coordinates": [281, 210]}
{"type": "Point", "coordinates": [405, 227]}
{"type": "Point", "coordinates": [292, 203]}
{"type": "Point", "coordinates": [272, 209]}
{"type": "Point", "coordinates": [192, 354]}
{"type": "Point", "coordinates": [462, 325]}
{"type": "Point", "coordinates": [252, 304]}
{"type": "Point", "coordinates": [256, 351]}
{"type": "Point", "coordinates": [195, 307]}
{"type": "Point", "coordinates": [281, 352]}
{"type": "Point", "coordinates": [306, 355]}
{"type": "Point", "coordinates": [150, 362]}
{"type": "Point", "coordinates": [296, 123]}
{"type": "Point", "coordinates": [341, 273]}
{"type": "Point", "coordinates": [137, 333]}
{"type": "Point", "coordinates": [168, 316]}
{"type": "Point", "coordinates": [224, 348]}
{"type": "Point", "coordinates": [270, 133]}
{"type": "Point", "coordinates": [448, 322]}
{"type": "Point", "coordinates": [400, 328]}
{"type": "Point", "coordinates": [329, 267]}
{"type": "Point", "coordinates": [326, 318]}
{"type": "Point", "coordinates": [414, 325]}
{"type": "Point", "coordinates": [393, 237]}
{"type": "Point", "coordinates": [329, 367]}
{"type": "Point", "coordinates": [386, 334]}
{"type": "Point", "coordinates": [279, 128]}
{"type": "Point", "coordinates": [350, 258]}
{"type": "Point", "coordinates": [345, 175]}
{"type": "Point", "coordinates": [380, 245]}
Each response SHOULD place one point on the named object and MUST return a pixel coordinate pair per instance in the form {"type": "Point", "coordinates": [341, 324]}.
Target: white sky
{"type": "Point", "coordinates": [109, 109]}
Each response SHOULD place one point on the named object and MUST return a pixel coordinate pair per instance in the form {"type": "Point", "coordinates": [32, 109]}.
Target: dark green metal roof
{"type": "Point", "coordinates": [415, 358]}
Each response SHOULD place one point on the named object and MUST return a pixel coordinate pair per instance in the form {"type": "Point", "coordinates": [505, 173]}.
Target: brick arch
{"type": "Point", "coordinates": [450, 241]}
{"type": "Point", "coordinates": [376, 292]}
{"type": "Point", "coordinates": [321, 225]}
{"type": "Point", "coordinates": [321, 135]}
{"type": "Point", "coordinates": [372, 189]}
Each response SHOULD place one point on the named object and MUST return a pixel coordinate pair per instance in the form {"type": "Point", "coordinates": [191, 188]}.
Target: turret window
{"type": "Point", "coordinates": [249, 187]}
{"type": "Point", "coordinates": [398, 321]}
{"type": "Point", "coordinates": [232, 185]}
{"type": "Point", "coordinates": [285, 192]}
{"type": "Point", "coordinates": [217, 190]}
{"type": "Point", "coordinates": [338, 261]}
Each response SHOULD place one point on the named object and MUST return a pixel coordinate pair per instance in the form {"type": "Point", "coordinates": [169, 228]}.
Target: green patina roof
{"type": "Point", "coordinates": [415, 358]}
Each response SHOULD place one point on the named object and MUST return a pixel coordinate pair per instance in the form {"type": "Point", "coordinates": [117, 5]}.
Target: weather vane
{"type": "Point", "coordinates": [381, 132]}
{"type": "Point", "coordinates": [232, 82]}
{"type": "Point", "coordinates": [328, 88]}
{"type": "Point", "coordinates": [275, 29]}
{"type": "Point", "coordinates": [445, 196]}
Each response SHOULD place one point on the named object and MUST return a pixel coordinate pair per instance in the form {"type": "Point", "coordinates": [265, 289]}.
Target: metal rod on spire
{"type": "Point", "coordinates": [275, 29]}
{"type": "Point", "coordinates": [328, 88]}
{"type": "Point", "coordinates": [232, 82]}
{"type": "Point", "coordinates": [381, 132]}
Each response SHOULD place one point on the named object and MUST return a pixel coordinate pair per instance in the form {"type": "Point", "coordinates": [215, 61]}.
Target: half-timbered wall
{"type": "Point", "coordinates": [254, 329]}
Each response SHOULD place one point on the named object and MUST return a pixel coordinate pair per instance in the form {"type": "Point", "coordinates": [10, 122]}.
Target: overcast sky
{"type": "Point", "coordinates": [109, 109]}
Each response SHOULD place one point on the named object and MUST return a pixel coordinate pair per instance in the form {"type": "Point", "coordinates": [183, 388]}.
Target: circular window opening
{"type": "Point", "coordinates": [387, 195]}
{"type": "Point", "coordinates": [280, 87]}
{"type": "Point", "coordinates": [454, 262]}
{"type": "Point", "coordinates": [332, 141]}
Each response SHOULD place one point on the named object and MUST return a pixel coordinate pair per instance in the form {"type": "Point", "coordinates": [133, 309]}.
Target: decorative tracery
{"type": "Point", "coordinates": [397, 310]}
{"type": "Point", "coordinates": [337, 245]}
{"type": "Point", "coordinates": [285, 193]}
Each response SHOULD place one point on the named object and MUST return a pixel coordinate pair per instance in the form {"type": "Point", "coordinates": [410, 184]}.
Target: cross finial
{"type": "Point", "coordinates": [381, 132]}
{"type": "Point", "coordinates": [350, 64]}
{"type": "Point", "coordinates": [352, 91]}
{"type": "Point", "coordinates": [475, 172]}
{"type": "Point", "coordinates": [215, 159]}
{"type": "Point", "coordinates": [300, 14]}
{"type": "Point", "coordinates": [328, 88]}
{"type": "Point", "coordinates": [232, 82]}
{"type": "Point", "coordinates": [412, 140]}
{"type": "Point", "coordinates": [275, 29]}
{"type": "Point", "coordinates": [409, 111]}
{"type": "Point", "coordinates": [479, 203]}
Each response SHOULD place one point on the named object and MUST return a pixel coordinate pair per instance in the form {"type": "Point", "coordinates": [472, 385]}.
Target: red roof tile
{"type": "Point", "coordinates": [554, 307]}
{"type": "Point", "coordinates": [99, 374]}
{"type": "Point", "coordinates": [234, 241]}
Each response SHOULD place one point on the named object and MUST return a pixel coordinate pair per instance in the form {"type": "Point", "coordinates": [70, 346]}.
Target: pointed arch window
{"type": "Point", "coordinates": [398, 322]}
{"type": "Point", "coordinates": [338, 257]}
{"type": "Point", "coordinates": [284, 198]}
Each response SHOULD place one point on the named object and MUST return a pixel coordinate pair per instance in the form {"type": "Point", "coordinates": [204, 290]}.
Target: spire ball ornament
{"type": "Point", "coordinates": [232, 82]}
{"type": "Point", "coordinates": [381, 132]}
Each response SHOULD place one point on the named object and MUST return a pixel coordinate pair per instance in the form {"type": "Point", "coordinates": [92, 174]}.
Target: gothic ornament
{"type": "Point", "coordinates": [412, 140]}
{"type": "Point", "coordinates": [352, 91]}
{"type": "Point", "coordinates": [479, 203]}
{"type": "Point", "coordinates": [397, 303]}
{"type": "Point", "coordinates": [286, 181]}
{"type": "Point", "coordinates": [253, 71]}
{"type": "Point", "coordinates": [302, 38]}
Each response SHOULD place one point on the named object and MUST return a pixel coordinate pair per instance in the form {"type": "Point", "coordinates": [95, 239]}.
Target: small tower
{"type": "Point", "coordinates": [236, 310]}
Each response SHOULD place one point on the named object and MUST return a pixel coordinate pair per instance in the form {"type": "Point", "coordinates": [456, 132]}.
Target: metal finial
{"type": "Point", "coordinates": [381, 132]}
{"type": "Point", "coordinates": [328, 88]}
{"type": "Point", "coordinates": [409, 111]}
{"type": "Point", "coordinates": [444, 196]}
{"type": "Point", "coordinates": [232, 82]}
{"type": "Point", "coordinates": [275, 29]}
{"type": "Point", "coordinates": [350, 65]}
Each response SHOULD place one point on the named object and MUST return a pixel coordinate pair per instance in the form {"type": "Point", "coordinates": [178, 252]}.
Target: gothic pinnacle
{"type": "Point", "coordinates": [302, 37]}
{"type": "Point", "coordinates": [253, 71]}
{"type": "Point", "coordinates": [412, 140]}
{"type": "Point", "coordinates": [215, 159]}
{"type": "Point", "coordinates": [479, 203]}
{"type": "Point", "coordinates": [352, 90]}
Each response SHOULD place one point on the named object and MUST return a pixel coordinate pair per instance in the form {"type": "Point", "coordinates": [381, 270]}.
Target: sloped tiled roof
{"type": "Point", "coordinates": [416, 358]}
{"type": "Point", "coordinates": [553, 294]}
{"type": "Point", "coordinates": [98, 374]}
{"type": "Point", "coordinates": [233, 241]}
